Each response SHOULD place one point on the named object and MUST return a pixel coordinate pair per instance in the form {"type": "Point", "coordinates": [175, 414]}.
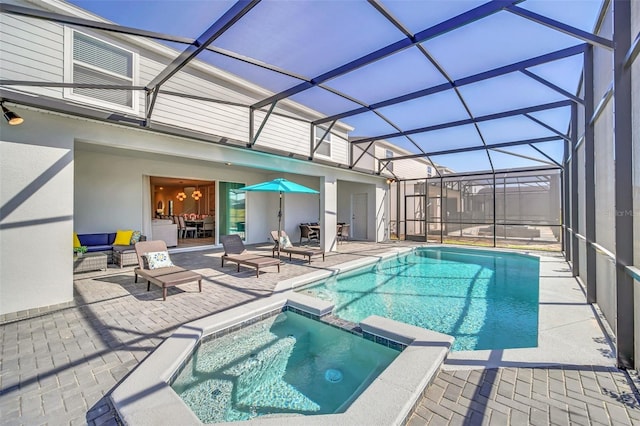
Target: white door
{"type": "Point", "coordinates": [359, 216]}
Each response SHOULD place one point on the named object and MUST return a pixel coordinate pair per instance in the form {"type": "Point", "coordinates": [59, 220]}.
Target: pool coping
{"type": "Point", "coordinates": [145, 397]}
{"type": "Point", "coordinates": [296, 282]}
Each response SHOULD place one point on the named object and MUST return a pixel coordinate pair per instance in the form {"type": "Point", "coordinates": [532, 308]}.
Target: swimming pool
{"type": "Point", "coordinates": [286, 363]}
{"type": "Point", "coordinates": [485, 299]}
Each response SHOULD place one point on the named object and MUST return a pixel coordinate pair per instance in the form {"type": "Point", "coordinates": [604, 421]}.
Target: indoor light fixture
{"type": "Point", "coordinates": [181, 196]}
{"type": "Point", "coordinates": [196, 194]}
{"type": "Point", "coordinates": [13, 118]}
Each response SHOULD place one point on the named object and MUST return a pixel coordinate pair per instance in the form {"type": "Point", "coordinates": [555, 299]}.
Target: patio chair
{"type": "Point", "coordinates": [184, 229]}
{"type": "Point", "coordinates": [235, 251]}
{"type": "Point", "coordinates": [308, 233]}
{"type": "Point", "coordinates": [207, 227]}
{"type": "Point", "coordinates": [165, 276]}
{"type": "Point", "coordinates": [343, 232]}
{"type": "Point", "coordinates": [284, 248]}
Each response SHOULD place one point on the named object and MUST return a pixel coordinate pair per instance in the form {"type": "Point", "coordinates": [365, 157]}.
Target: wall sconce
{"type": "Point", "coordinates": [390, 181]}
{"type": "Point", "coordinates": [196, 194]}
{"type": "Point", "coordinates": [181, 196]}
{"type": "Point", "coordinates": [13, 118]}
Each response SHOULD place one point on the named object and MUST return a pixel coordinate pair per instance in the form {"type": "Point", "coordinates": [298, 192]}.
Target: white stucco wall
{"type": "Point", "coordinates": [36, 224]}
{"type": "Point", "coordinates": [60, 174]}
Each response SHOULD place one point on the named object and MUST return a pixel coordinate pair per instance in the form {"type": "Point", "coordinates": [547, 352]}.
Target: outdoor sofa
{"type": "Point", "coordinates": [104, 242]}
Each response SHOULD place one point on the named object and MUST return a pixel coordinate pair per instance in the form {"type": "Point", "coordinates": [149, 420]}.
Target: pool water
{"type": "Point", "coordinates": [284, 364]}
{"type": "Point", "coordinates": [485, 299]}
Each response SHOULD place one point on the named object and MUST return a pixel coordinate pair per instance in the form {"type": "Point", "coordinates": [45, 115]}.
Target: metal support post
{"type": "Point", "coordinates": [623, 151]}
{"type": "Point", "coordinates": [589, 177]}
{"type": "Point", "coordinates": [575, 249]}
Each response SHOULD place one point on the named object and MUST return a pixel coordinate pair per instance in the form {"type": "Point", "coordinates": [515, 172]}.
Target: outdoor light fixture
{"type": "Point", "coordinates": [390, 181]}
{"type": "Point", "coordinates": [13, 118]}
{"type": "Point", "coordinates": [181, 196]}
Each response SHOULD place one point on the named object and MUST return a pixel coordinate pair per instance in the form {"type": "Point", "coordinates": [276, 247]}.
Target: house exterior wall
{"type": "Point", "coordinates": [31, 50]}
{"type": "Point", "coordinates": [346, 190]}
{"type": "Point", "coordinates": [34, 49]}
{"type": "Point", "coordinates": [36, 194]}
{"type": "Point", "coordinates": [61, 174]}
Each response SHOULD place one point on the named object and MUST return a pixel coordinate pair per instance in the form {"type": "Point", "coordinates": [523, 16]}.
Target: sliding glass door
{"type": "Point", "coordinates": [232, 209]}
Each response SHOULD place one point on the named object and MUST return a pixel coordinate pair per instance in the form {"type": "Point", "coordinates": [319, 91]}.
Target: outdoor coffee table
{"type": "Point", "coordinates": [90, 262]}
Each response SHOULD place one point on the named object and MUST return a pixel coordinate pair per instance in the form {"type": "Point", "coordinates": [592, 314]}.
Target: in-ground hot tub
{"type": "Point", "coordinates": [266, 334]}
{"type": "Point", "coordinates": [283, 364]}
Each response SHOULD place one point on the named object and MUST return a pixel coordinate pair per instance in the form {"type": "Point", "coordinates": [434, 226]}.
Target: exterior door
{"type": "Point", "coordinates": [359, 216]}
{"type": "Point", "coordinates": [416, 214]}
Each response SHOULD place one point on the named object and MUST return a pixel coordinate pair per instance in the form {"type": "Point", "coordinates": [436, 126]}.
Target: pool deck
{"type": "Point", "coordinates": [59, 365]}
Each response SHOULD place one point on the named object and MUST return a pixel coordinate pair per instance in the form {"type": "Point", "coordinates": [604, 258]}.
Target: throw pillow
{"type": "Point", "coordinates": [285, 241]}
{"type": "Point", "coordinates": [123, 238]}
{"type": "Point", "coordinates": [158, 259]}
{"type": "Point", "coordinates": [76, 240]}
{"type": "Point", "coordinates": [135, 237]}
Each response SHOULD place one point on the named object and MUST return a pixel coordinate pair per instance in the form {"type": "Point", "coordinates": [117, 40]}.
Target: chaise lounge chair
{"type": "Point", "coordinates": [165, 276]}
{"type": "Point", "coordinates": [234, 251]}
{"type": "Point", "coordinates": [284, 248]}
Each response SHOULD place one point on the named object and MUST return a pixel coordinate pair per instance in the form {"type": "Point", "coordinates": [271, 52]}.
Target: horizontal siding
{"type": "Point", "coordinates": [366, 162]}
{"type": "Point", "coordinates": [188, 82]}
{"type": "Point", "coordinates": [210, 117]}
{"type": "Point", "coordinates": [222, 120]}
{"type": "Point", "coordinates": [404, 169]}
{"type": "Point", "coordinates": [283, 134]}
{"type": "Point", "coordinates": [339, 149]}
{"type": "Point", "coordinates": [32, 50]}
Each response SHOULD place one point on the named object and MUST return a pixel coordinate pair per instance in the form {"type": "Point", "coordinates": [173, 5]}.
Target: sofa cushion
{"type": "Point", "coordinates": [95, 239]}
{"type": "Point", "coordinates": [76, 241]}
{"type": "Point", "coordinates": [104, 247]}
{"type": "Point", "coordinates": [123, 248]}
{"type": "Point", "coordinates": [123, 237]}
{"type": "Point", "coordinates": [135, 237]}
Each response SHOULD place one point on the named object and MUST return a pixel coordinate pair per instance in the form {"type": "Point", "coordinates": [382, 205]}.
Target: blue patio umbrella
{"type": "Point", "coordinates": [281, 186]}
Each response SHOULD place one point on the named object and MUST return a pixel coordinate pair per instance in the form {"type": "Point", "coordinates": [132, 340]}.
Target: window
{"type": "Point", "coordinates": [389, 154]}
{"type": "Point", "coordinates": [325, 147]}
{"type": "Point", "coordinates": [429, 171]}
{"type": "Point", "coordinates": [93, 61]}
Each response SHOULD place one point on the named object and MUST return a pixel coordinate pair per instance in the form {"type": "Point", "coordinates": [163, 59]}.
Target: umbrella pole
{"type": "Point", "coordinates": [279, 224]}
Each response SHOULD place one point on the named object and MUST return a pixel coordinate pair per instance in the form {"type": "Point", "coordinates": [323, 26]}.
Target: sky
{"type": "Point", "coordinates": [310, 38]}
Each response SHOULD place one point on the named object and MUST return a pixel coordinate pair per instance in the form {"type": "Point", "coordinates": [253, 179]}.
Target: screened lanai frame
{"type": "Point", "coordinates": [517, 209]}
{"type": "Point", "coordinates": [323, 82]}
{"type": "Point", "coordinates": [452, 84]}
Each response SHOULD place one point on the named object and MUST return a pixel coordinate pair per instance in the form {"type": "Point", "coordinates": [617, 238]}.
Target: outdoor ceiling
{"type": "Point", "coordinates": [429, 76]}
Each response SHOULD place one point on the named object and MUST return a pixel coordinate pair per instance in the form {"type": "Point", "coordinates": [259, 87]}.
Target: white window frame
{"type": "Point", "coordinates": [389, 154]}
{"type": "Point", "coordinates": [68, 74]}
{"type": "Point", "coordinates": [327, 140]}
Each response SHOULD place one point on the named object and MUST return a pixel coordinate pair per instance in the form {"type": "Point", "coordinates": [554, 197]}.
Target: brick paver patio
{"type": "Point", "coordinates": [58, 365]}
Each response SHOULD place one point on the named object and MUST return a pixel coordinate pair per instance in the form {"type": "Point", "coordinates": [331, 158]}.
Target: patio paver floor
{"type": "Point", "coordinates": [57, 366]}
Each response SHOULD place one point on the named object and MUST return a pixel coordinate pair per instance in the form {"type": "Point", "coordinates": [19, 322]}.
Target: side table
{"type": "Point", "coordinates": [90, 262]}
